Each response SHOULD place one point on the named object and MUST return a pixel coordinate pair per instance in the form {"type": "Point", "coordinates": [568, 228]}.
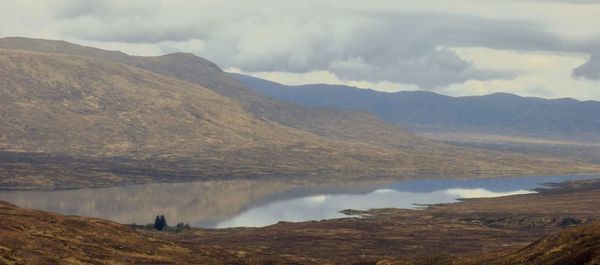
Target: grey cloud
{"type": "Point", "coordinates": [145, 33]}
{"type": "Point", "coordinates": [590, 69]}
{"type": "Point", "coordinates": [372, 46]}
{"type": "Point", "coordinates": [107, 9]}
{"type": "Point", "coordinates": [74, 9]}
{"type": "Point", "coordinates": [402, 48]}
{"type": "Point", "coordinates": [435, 69]}
{"type": "Point", "coordinates": [586, 2]}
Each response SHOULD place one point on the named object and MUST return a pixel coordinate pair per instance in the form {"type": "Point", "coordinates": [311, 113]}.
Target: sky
{"type": "Point", "coordinates": [543, 48]}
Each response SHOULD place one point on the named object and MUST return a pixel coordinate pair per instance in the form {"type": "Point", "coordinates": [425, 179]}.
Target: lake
{"type": "Point", "coordinates": [232, 203]}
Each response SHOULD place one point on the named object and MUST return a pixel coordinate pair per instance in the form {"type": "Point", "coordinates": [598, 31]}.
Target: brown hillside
{"type": "Point", "coordinates": [76, 106]}
{"type": "Point", "coordinates": [580, 245]}
{"type": "Point", "coordinates": [36, 237]}
{"type": "Point", "coordinates": [338, 124]}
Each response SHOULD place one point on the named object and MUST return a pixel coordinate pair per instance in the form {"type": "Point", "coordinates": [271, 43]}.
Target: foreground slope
{"type": "Point", "coordinates": [36, 237]}
{"type": "Point", "coordinates": [499, 114]}
{"type": "Point", "coordinates": [580, 245]}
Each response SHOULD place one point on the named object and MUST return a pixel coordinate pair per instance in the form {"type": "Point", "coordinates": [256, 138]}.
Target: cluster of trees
{"type": "Point", "coordinates": [160, 222]}
{"type": "Point", "coordinates": [185, 226]}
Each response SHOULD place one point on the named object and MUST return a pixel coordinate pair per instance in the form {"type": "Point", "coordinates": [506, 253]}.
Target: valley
{"type": "Point", "coordinates": [105, 135]}
{"type": "Point", "coordinates": [300, 132]}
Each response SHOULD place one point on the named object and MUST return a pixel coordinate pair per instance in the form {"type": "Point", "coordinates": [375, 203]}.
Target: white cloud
{"type": "Point", "coordinates": [545, 74]}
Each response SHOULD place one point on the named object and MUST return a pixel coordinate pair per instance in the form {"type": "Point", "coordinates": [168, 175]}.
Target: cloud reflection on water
{"type": "Point", "coordinates": [328, 206]}
{"type": "Point", "coordinates": [259, 203]}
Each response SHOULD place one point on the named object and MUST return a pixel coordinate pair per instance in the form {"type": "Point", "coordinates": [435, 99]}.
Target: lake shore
{"type": "Point", "coordinates": [464, 228]}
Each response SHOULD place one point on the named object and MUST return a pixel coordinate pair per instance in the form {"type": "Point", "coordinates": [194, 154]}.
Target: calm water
{"type": "Point", "coordinates": [260, 203]}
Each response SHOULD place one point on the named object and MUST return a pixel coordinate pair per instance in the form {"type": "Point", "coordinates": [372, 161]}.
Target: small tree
{"type": "Point", "coordinates": [157, 223]}
{"type": "Point", "coordinates": [163, 221]}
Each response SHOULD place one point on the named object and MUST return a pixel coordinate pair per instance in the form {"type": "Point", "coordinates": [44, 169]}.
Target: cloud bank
{"type": "Point", "coordinates": [401, 42]}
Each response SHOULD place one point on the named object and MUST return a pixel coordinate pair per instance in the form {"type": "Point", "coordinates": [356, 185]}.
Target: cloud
{"type": "Point", "coordinates": [590, 69]}
{"type": "Point", "coordinates": [585, 2]}
{"type": "Point", "coordinates": [543, 74]}
{"type": "Point", "coordinates": [106, 9]}
{"type": "Point", "coordinates": [409, 43]}
{"type": "Point", "coordinates": [436, 68]}
{"type": "Point", "coordinates": [403, 47]}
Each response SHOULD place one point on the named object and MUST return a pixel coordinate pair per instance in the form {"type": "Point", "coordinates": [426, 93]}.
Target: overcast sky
{"type": "Point", "coordinates": [545, 48]}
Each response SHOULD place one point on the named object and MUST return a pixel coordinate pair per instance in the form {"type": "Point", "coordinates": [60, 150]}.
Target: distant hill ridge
{"type": "Point", "coordinates": [421, 111]}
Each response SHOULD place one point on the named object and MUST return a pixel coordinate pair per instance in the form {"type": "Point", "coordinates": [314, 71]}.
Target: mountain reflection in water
{"type": "Point", "coordinates": [233, 203]}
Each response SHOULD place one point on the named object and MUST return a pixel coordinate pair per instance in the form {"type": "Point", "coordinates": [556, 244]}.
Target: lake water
{"type": "Point", "coordinates": [259, 203]}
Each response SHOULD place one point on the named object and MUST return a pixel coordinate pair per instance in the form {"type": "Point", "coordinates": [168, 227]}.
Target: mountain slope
{"type": "Point", "coordinates": [71, 105]}
{"type": "Point", "coordinates": [500, 113]}
{"type": "Point", "coordinates": [344, 125]}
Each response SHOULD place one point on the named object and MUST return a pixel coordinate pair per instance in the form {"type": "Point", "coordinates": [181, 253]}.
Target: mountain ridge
{"type": "Point", "coordinates": [427, 112]}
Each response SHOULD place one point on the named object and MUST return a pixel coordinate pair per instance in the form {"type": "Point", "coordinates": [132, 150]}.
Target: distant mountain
{"type": "Point", "coordinates": [500, 113]}
{"type": "Point", "coordinates": [72, 116]}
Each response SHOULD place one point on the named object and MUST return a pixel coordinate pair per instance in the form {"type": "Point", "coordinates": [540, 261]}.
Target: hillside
{"type": "Point", "coordinates": [336, 124]}
{"type": "Point", "coordinates": [427, 112]}
{"type": "Point", "coordinates": [574, 246]}
{"type": "Point", "coordinates": [579, 245]}
{"type": "Point", "coordinates": [76, 121]}
{"type": "Point", "coordinates": [36, 237]}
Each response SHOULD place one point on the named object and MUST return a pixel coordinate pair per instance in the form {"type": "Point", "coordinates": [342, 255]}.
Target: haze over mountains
{"type": "Point", "coordinates": [427, 112]}
{"type": "Point", "coordinates": [80, 112]}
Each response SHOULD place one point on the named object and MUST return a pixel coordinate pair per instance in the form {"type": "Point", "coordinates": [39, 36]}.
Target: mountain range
{"type": "Point", "coordinates": [428, 112]}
